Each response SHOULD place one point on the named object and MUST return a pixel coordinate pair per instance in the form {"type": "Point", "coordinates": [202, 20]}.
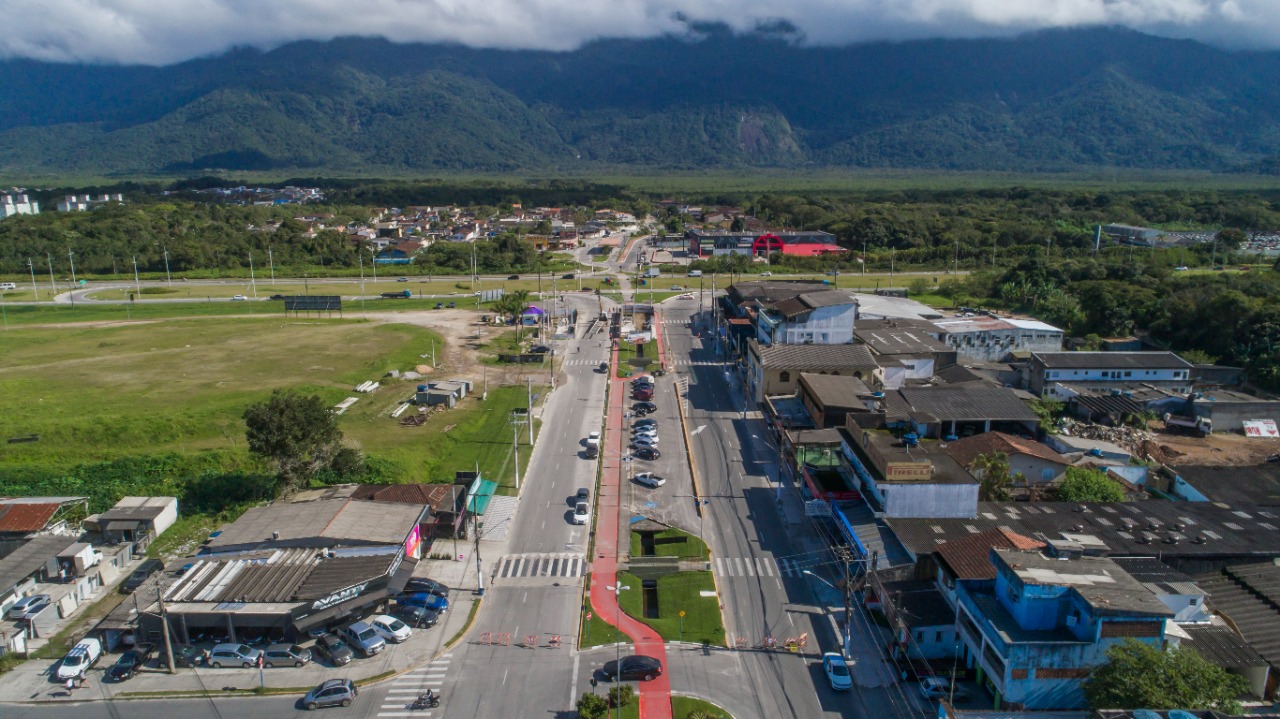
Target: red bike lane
{"type": "Point", "coordinates": [655, 696]}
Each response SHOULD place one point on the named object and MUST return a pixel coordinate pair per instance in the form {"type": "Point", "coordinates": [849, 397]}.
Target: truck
{"type": "Point", "coordinates": [652, 271]}
{"type": "Point", "coordinates": [1195, 426]}
{"type": "Point", "coordinates": [401, 295]}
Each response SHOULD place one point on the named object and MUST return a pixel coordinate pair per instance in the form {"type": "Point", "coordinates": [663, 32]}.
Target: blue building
{"type": "Point", "coordinates": [1033, 634]}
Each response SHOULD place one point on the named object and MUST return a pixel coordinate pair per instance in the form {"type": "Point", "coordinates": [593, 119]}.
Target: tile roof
{"type": "Point", "coordinates": [966, 450]}
{"type": "Point", "coordinates": [968, 402]}
{"type": "Point", "coordinates": [440, 497]}
{"type": "Point", "coordinates": [970, 557]}
{"type": "Point", "coordinates": [26, 517]}
{"type": "Point", "coordinates": [1110, 360]}
{"type": "Point", "coordinates": [814, 357]}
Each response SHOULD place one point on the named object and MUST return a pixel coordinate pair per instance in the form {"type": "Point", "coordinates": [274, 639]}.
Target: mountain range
{"type": "Point", "coordinates": [1044, 102]}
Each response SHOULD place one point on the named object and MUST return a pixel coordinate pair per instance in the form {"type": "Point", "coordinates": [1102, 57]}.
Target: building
{"type": "Point", "coordinates": [888, 307]}
{"type": "Point", "coordinates": [23, 517]}
{"type": "Point", "coordinates": [823, 317]}
{"type": "Point", "coordinates": [286, 568]}
{"type": "Point", "coordinates": [1174, 589]}
{"type": "Point", "coordinates": [994, 339]}
{"type": "Point", "coordinates": [776, 369]}
{"type": "Point", "coordinates": [830, 399]}
{"type": "Point", "coordinates": [906, 350]}
{"type": "Point", "coordinates": [1063, 375]}
{"type": "Point", "coordinates": [135, 519]}
{"type": "Point", "coordinates": [1246, 597]}
{"type": "Point", "coordinates": [1049, 618]}
{"type": "Point", "coordinates": [81, 203]}
{"type": "Point", "coordinates": [17, 204]}
{"type": "Point", "coordinates": [955, 410]}
{"type": "Point", "coordinates": [1249, 486]}
{"type": "Point", "coordinates": [906, 477]}
{"type": "Point", "coordinates": [705, 242]}
{"type": "Point", "coordinates": [1036, 462]}
{"type": "Point", "coordinates": [967, 559]}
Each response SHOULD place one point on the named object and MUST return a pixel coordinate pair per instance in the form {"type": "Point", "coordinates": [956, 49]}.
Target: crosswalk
{"type": "Point", "coordinates": [406, 687]}
{"type": "Point", "coordinates": [756, 567]}
{"type": "Point", "coordinates": [681, 362]}
{"type": "Point", "coordinates": [514, 566]}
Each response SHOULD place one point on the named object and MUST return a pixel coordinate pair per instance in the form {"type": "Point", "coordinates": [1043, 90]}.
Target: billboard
{"type": "Point", "coordinates": [1260, 428]}
{"type": "Point", "coordinates": [312, 302]}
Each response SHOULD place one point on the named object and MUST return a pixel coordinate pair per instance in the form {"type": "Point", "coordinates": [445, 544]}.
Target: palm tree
{"type": "Point", "coordinates": [518, 303]}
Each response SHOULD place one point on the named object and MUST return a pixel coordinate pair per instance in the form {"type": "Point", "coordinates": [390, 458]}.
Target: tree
{"type": "Point", "coordinates": [1197, 356]}
{"type": "Point", "coordinates": [592, 706]}
{"type": "Point", "coordinates": [1089, 485]}
{"type": "Point", "coordinates": [994, 475]}
{"type": "Point", "coordinates": [1047, 410]}
{"type": "Point", "coordinates": [1140, 675]}
{"type": "Point", "coordinates": [296, 433]}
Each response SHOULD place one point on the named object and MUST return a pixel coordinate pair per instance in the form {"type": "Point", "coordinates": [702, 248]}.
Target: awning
{"type": "Point", "coordinates": [351, 607]}
{"type": "Point", "coordinates": [480, 495]}
{"type": "Point", "coordinates": [403, 573]}
{"type": "Point", "coordinates": [122, 525]}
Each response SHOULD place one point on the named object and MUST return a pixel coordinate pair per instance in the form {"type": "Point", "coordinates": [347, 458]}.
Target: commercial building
{"type": "Point", "coordinates": [994, 339]}
{"type": "Point", "coordinates": [755, 244]}
{"type": "Point", "coordinates": [907, 477]}
{"type": "Point", "coordinates": [1063, 375]}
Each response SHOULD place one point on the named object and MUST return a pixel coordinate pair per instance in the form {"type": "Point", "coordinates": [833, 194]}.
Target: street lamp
{"type": "Point", "coordinates": [617, 646]}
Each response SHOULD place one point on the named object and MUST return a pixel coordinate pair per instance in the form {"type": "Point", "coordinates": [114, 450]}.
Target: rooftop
{"type": "Point", "coordinates": [966, 450]}
{"type": "Point", "coordinates": [901, 341]}
{"type": "Point", "coordinates": [137, 508]}
{"type": "Point", "coordinates": [894, 452]}
{"type": "Point", "coordinates": [277, 576]}
{"type": "Point", "coordinates": [323, 522]}
{"type": "Point", "coordinates": [971, 401]}
{"type": "Point", "coordinates": [23, 518]}
{"type": "Point", "coordinates": [1110, 360]}
{"type": "Point", "coordinates": [1245, 595]}
{"type": "Point", "coordinates": [1257, 485]}
{"type": "Point", "coordinates": [770, 292]}
{"type": "Point", "coordinates": [1222, 646]}
{"type": "Point", "coordinates": [1008, 629]}
{"type": "Point", "coordinates": [810, 301]}
{"type": "Point", "coordinates": [29, 557]}
{"type": "Point", "coordinates": [1102, 583]}
{"type": "Point", "coordinates": [1159, 577]}
{"type": "Point", "coordinates": [970, 557]}
{"type": "Point", "coordinates": [814, 357]}
{"type": "Point", "coordinates": [880, 306]}
{"type": "Point", "coordinates": [835, 390]}
{"type": "Point", "coordinates": [920, 604]}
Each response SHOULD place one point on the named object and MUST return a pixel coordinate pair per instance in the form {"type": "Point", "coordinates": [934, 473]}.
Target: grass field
{"type": "Point", "coordinates": [678, 592]}
{"type": "Point", "coordinates": [672, 543]}
{"type": "Point", "coordinates": [458, 286]}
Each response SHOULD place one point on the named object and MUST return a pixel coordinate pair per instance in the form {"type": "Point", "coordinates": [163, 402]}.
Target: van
{"type": "Point", "coordinates": [695, 273]}
{"type": "Point", "coordinates": [83, 655]}
{"type": "Point", "coordinates": [8, 285]}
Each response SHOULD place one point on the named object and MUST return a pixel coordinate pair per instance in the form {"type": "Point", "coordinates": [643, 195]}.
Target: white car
{"type": "Point", "coordinates": [239, 298]}
{"type": "Point", "coordinates": [686, 296]}
{"type": "Point", "coordinates": [390, 628]}
{"type": "Point", "coordinates": [837, 672]}
{"type": "Point", "coordinates": [644, 441]}
{"type": "Point", "coordinates": [766, 273]}
{"type": "Point", "coordinates": [940, 688]}
{"type": "Point", "coordinates": [646, 431]}
{"type": "Point", "coordinates": [581, 513]}
{"type": "Point", "coordinates": [651, 480]}
{"type": "Point", "coordinates": [593, 439]}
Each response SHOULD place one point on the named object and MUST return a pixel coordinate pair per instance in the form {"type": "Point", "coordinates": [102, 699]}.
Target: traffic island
{"type": "Point", "coordinates": [679, 606]}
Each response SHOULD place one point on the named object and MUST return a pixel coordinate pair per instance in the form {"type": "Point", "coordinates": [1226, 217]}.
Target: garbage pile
{"type": "Point", "coordinates": [1139, 442]}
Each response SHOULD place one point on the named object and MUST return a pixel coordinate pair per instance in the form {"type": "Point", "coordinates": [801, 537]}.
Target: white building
{"type": "Point", "coordinates": [81, 203]}
{"type": "Point", "coordinates": [826, 317]}
{"type": "Point", "coordinates": [993, 339]}
{"type": "Point", "coordinates": [1048, 371]}
{"type": "Point", "coordinates": [19, 204]}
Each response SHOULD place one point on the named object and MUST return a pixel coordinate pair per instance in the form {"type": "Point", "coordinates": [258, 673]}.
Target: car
{"type": "Point", "coordinates": [439, 306]}
{"type": "Point", "coordinates": [539, 349]}
{"type": "Point", "coordinates": [567, 276]}
{"type": "Point", "coordinates": [276, 297]}
{"type": "Point", "coordinates": [402, 279]}
{"type": "Point", "coordinates": [424, 599]}
{"type": "Point", "coordinates": [390, 628]}
{"type": "Point", "coordinates": [364, 638]}
{"type": "Point", "coordinates": [282, 655]}
{"type": "Point", "coordinates": [633, 666]}
{"type": "Point", "coordinates": [766, 273]}
{"type": "Point", "coordinates": [417, 617]}
{"type": "Point", "coordinates": [647, 453]}
{"type": "Point", "coordinates": [593, 439]}
{"type": "Point", "coordinates": [591, 452]}
{"type": "Point", "coordinates": [423, 584]}
{"type": "Point", "coordinates": [581, 513]}
{"type": "Point", "coordinates": [141, 575]}
{"type": "Point", "coordinates": [331, 693]}
{"type": "Point", "coordinates": [452, 306]}
{"type": "Point", "coordinates": [185, 655]}
{"type": "Point", "coordinates": [644, 443]}
{"type": "Point", "coordinates": [649, 431]}
{"type": "Point", "coordinates": [650, 480]}
{"type": "Point", "coordinates": [642, 384]}
{"type": "Point", "coordinates": [642, 379]}
{"type": "Point", "coordinates": [334, 649]}
{"type": "Point", "coordinates": [685, 296]}
{"type": "Point", "coordinates": [645, 406]}
{"type": "Point", "coordinates": [644, 395]}
{"type": "Point", "coordinates": [28, 607]}
{"type": "Point", "coordinates": [1181, 268]}
{"type": "Point", "coordinates": [83, 655]}
{"type": "Point", "coordinates": [239, 298]}
{"type": "Point", "coordinates": [513, 277]}
{"type": "Point", "coordinates": [837, 671]}
{"type": "Point", "coordinates": [942, 688]}
{"type": "Point", "coordinates": [129, 662]}
{"type": "Point", "coordinates": [233, 655]}
{"type": "Point", "coordinates": [604, 367]}
{"type": "Point", "coordinates": [646, 422]}
{"type": "Point", "coordinates": [583, 494]}
{"type": "Point", "coordinates": [677, 288]}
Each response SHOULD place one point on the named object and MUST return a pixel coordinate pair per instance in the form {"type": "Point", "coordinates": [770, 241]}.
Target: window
{"type": "Point", "coordinates": [937, 637]}
{"type": "Point", "coordinates": [920, 637]}
{"type": "Point", "coordinates": [784, 376]}
{"type": "Point", "coordinates": [1128, 374]}
{"type": "Point", "coordinates": [1046, 474]}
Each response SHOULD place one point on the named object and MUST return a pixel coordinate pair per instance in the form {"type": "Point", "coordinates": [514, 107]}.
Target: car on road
{"type": "Point", "coordinates": [331, 693]}
{"type": "Point", "coordinates": [685, 296]}
{"type": "Point", "coordinates": [567, 276]}
{"type": "Point", "coordinates": [593, 439]}
{"type": "Point", "coordinates": [424, 599]}
{"type": "Point", "coordinates": [129, 662]}
{"type": "Point", "coordinates": [364, 638]}
{"type": "Point", "coordinates": [239, 298]}
{"type": "Point", "coordinates": [283, 655]}
{"type": "Point", "coordinates": [333, 649]}
{"type": "Point", "coordinates": [276, 297]}
{"type": "Point", "coordinates": [604, 367]}
{"type": "Point", "coordinates": [633, 666]}
{"type": "Point", "coordinates": [583, 494]}
{"type": "Point", "coordinates": [233, 655]}
{"type": "Point", "coordinates": [417, 617]}
{"type": "Point", "coordinates": [837, 671]}
{"type": "Point", "coordinates": [1181, 268]}
{"type": "Point", "coordinates": [28, 607]}
{"type": "Point", "coordinates": [581, 513]}
{"type": "Point", "coordinates": [402, 279]}
{"type": "Point", "coordinates": [766, 273]}
{"type": "Point", "coordinates": [423, 584]}
{"type": "Point", "coordinates": [677, 288]}
{"type": "Point", "coordinates": [591, 452]}
{"type": "Point", "coordinates": [390, 628]}
{"type": "Point", "coordinates": [941, 688]}
{"type": "Point", "coordinates": [650, 480]}
{"type": "Point", "coordinates": [647, 453]}
{"type": "Point", "coordinates": [141, 575]}
{"type": "Point", "coordinates": [513, 277]}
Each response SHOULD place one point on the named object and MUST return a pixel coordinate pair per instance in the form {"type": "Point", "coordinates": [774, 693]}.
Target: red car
{"type": "Point", "coordinates": [642, 395]}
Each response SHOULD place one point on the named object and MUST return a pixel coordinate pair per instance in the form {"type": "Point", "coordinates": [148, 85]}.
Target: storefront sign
{"type": "Point", "coordinates": [908, 471]}
{"type": "Point", "coordinates": [412, 544]}
{"type": "Point", "coordinates": [340, 596]}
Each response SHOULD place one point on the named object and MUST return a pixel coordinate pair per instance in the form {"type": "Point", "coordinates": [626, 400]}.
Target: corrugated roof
{"type": "Point", "coordinates": [1257, 485]}
{"type": "Point", "coordinates": [968, 402]}
{"type": "Point", "coordinates": [30, 557]}
{"type": "Point", "coordinates": [968, 449]}
{"type": "Point", "coordinates": [835, 390]}
{"type": "Point", "coordinates": [27, 517]}
{"type": "Point", "coordinates": [970, 557]}
{"type": "Point", "coordinates": [1111, 360]}
{"type": "Point", "coordinates": [1222, 646]}
{"type": "Point", "coordinates": [1099, 581]}
{"type": "Point", "coordinates": [814, 357]}
{"type": "Point", "coordinates": [901, 341]}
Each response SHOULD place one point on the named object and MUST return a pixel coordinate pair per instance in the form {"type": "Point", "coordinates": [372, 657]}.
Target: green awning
{"type": "Point", "coordinates": [479, 496]}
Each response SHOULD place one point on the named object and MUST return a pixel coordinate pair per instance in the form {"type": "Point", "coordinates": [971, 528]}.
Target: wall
{"type": "Point", "coordinates": [166, 518]}
{"type": "Point", "coordinates": [930, 500]}
{"type": "Point", "coordinates": [934, 642]}
{"type": "Point", "coordinates": [996, 345]}
{"type": "Point", "coordinates": [1227, 416]}
{"type": "Point", "coordinates": [1173, 379]}
{"type": "Point", "coordinates": [1034, 468]}
{"type": "Point", "coordinates": [832, 325]}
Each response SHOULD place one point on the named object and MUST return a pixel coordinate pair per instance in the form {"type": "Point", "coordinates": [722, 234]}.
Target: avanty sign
{"type": "Point", "coordinates": [339, 596]}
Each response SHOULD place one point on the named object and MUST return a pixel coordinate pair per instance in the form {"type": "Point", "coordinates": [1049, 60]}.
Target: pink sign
{"type": "Point", "coordinates": [413, 543]}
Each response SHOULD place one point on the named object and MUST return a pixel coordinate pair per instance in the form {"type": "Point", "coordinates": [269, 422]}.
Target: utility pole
{"type": "Point", "coordinates": [53, 284]}
{"type": "Point", "coordinates": [168, 278]}
{"type": "Point", "coordinates": [864, 257]}
{"type": "Point", "coordinates": [374, 254]}
{"type": "Point", "coordinates": [164, 628]}
{"type": "Point", "coordinates": [272, 262]}
{"type": "Point", "coordinates": [475, 526]}
{"type": "Point", "coordinates": [253, 281]}
{"type": "Point", "coordinates": [137, 284]}
{"type": "Point", "coordinates": [515, 444]}
{"type": "Point", "coordinates": [529, 385]}
{"type": "Point", "coordinates": [35, 289]}
{"type": "Point", "coordinates": [71, 257]}
{"type": "Point", "coordinates": [957, 270]}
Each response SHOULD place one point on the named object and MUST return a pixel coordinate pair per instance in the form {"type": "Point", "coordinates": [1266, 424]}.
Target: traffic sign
{"type": "Point", "coordinates": [588, 616]}
{"type": "Point", "coordinates": [681, 612]}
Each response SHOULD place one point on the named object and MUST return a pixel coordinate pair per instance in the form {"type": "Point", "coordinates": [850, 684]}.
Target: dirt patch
{"type": "Point", "coordinates": [1220, 449]}
{"type": "Point", "coordinates": [463, 334]}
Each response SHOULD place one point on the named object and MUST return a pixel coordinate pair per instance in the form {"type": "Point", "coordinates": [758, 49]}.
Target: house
{"type": "Point", "coordinates": [994, 339]}
{"type": "Point", "coordinates": [81, 203]}
{"type": "Point", "coordinates": [1063, 375]}
{"type": "Point", "coordinates": [829, 399]}
{"type": "Point", "coordinates": [445, 392]}
{"type": "Point", "coordinates": [1048, 620]}
{"type": "Point", "coordinates": [955, 410]}
{"type": "Point", "coordinates": [905, 477]}
{"type": "Point", "coordinates": [907, 346]}
{"type": "Point", "coordinates": [967, 559]}
{"type": "Point", "coordinates": [823, 317]}
{"type": "Point", "coordinates": [1174, 589]}
{"type": "Point", "coordinates": [1036, 462]}
{"type": "Point", "coordinates": [135, 519]}
{"type": "Point", "coordinates": [17, 204]}
{"type": "Point", "coordinates": [29, 516]}
{"type": "Point", "coordinates": [776, 369]}
{"type": "Point", "coordinates": [924, 623]}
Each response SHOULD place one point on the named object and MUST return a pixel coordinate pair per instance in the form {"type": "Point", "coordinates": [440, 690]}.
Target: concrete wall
{"type": "Point", "coordinates": [1035, 469]}
{"type": "Point", "coordinates": [924, 499]}
{"type": "Point", "coordinates": [1227, 416]}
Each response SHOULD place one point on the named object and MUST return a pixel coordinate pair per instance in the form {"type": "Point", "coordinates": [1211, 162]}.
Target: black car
{"type": "Point", "coordinates": [276, 297]}
{"type": "Point", "coordinates": [644, 407]}
{"type": "Point", "coordinates": [646, 422]}
{"type": "Point", "coordinates": [334, 649]}
{"type": "Point", "coordinates": [540, 349]}
{"type": "Point", "coordinates": [418, 585]}
{"type": "Point", "coordinates": [141, 575]}
{"type": "Point", "coordinates": [417, 617]}
{"type": "Point", "coordinates": [635, 666]}
{"type": "Point", "coordinates": [184, 655]}
{"type": "Point", "coordinates": [604, 367]}
{"type": "Point", "coordinates": [567, 276]}
{"type": "Point", "coordinates": [129, 662]}
{"type": "Point", "coordinates": [591, 452]}
{"type": "Point", "coordinates": [439, 305]}
{"type": "Point", "coordinates": [513, 277]}
{"type": "Point", "coordinates": [647, 453]}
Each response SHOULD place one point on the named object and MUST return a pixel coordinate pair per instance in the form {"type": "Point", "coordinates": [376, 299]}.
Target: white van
{"type": "Point", "coordinates": [695, 273]}
{"type": "Point", "coordinates": [83, 655]}
{"type": "Point", "coordinates": [8, 285]}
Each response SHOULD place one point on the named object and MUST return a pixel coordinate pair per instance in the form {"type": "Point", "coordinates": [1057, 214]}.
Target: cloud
{"type": "Point", "coordinates": [166, 31]}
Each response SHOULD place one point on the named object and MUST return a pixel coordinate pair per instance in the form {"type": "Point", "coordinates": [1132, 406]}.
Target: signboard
{"type": "Point", "coordinates": [1260, 428]}
{"type": "Point", "coordinates": [908, 471]}
{"type": "Point", "coordinates": [817, 508]}
{"type": "Point", "coordinates": [340, 596]}
{"type": "Point", "coordinates": [313, 302]}
{"type": "Point", "coordinates": [412, 544]}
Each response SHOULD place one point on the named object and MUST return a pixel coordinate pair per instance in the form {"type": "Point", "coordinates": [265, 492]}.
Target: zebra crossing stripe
{"type": "Point", "coordinates": [766, 567]}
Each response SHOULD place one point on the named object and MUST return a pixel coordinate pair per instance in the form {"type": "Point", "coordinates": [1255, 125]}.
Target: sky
{"type": "Point", "coordinates": [159, 32]}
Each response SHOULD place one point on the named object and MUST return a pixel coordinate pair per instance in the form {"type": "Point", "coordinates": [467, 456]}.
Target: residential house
{"type": "Point", "coordinates": [907, 477]}
{"type": "Point", "coordinates": [968, 559]}
{"type": "Point", "coordinates": [134, 519]}
{"type": "Point", "coordinates": [776, 369]}
{"type": "Point", "coordinates": [823, 317]}
{"type": "Point", "coordinates": [830, 399]}
{"type": "Point", "coordinates": [29, 516]}
{"type": "Point", "coordinates": [1035, 461]}
{"type": "Point", "coordinates": [17, 204]}
{"type": "Point", "coordinates": [904, 350]}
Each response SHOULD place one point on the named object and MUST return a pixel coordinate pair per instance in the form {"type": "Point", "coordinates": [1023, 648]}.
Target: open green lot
{"type": "Point", "coordinates": [350, 287]}
{"type": "Point", "coordinates": [678, 592]}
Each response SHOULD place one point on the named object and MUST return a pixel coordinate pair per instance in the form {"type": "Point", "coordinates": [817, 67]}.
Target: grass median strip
{"type": "Point", "coordinates": [681, 591]}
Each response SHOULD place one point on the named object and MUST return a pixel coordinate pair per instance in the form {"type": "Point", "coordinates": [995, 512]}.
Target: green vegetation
{"type": "Point", "coordinates": [1138, 675]}
{"type": "Point", "coordinates": [592, 706]}
{"type": "Point", "coordinates": [691, 708]}
{"type": "Point", "coordinates": [995, 477]}
{"type": "Point", "coordinates": [676, 592]}
{"type": "Point", "coordinates": [633, 357]}
{"type": "Point", "coordinates": [1089, 485]}
{"type": "Point", "coordinates": [672, 543]}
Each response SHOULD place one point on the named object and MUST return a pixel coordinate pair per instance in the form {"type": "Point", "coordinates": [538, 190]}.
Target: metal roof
{"type": "Point", "coordinates": [835, 390]}
{"type": "Point", "coordinates": [27, 516]}
{"type": "Point", "coordinates": [847, 357]}
{"type": "Point", "coordinates": [1222, 646]}
{"type": "Point", "coordinates": [323, 522]}
{"type": "Point", "coordinates": [970, 401]}
{"type": "Point", "coordinates": [1256, 616]}
{"type": "Point", "coordinates": [901, 341]}
{"type": "Point", "coordinates": [1110, 360]}
{"type": "Point", "coordinates": [1099, 581]}
{"type": "Point", "coordinates": [30, 557]}
{"type": "Point", "coordinates": [1257, 485]}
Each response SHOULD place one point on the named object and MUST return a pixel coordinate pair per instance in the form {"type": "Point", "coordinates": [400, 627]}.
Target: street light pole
{"type": "Point", "coordinates": [168, 278]}
{"type": "Point", "coordinates": [35, 289]}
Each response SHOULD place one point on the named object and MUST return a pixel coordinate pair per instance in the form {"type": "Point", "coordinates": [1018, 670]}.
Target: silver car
{"type": "Point", "coordinates": [363, 637]}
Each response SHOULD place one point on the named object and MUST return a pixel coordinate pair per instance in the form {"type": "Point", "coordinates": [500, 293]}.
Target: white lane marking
{"type": "Point", "coordinates": [525, 598]}
{"type": "Point", "coordinates": [766, 568]}
{"type": "Point", "coordinates": [404, 714]}
{"type": "Point", "coordinates": [573, 686]}
{"type": "Point", "coordinates": [699, 429]}
{"type": "Point", "coordinates": [504, 676]}
{"type": "Point", "coordinates": [737, 566]}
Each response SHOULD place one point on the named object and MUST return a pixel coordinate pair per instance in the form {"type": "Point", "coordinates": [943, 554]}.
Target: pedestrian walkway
{"type": "Point", "coordinates": [756, 567]}
{"type": "Point", "coordinates": [406, 688]}
{"type": "Point", "coordinates": [541, 565]}
{"type": "Point", "coordinates": [497, 517]}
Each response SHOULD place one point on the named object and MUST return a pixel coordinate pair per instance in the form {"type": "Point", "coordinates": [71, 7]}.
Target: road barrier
{"type": "Point", "coordinates": [555, 642]}
{"type": "Point", "coordinates": [531, 641]}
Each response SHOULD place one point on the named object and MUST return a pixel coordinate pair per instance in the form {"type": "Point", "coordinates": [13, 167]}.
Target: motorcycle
{"type": "Point", "coordinates": [426, 700]}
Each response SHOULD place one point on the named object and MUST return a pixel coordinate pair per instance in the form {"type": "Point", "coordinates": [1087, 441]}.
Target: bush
{"type": "Point", "coordinates": [620, 696]}
{"type": "Point", "coordinates": [591, 706]}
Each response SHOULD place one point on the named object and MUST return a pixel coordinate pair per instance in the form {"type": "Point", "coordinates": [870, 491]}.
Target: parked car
{"type": "Point", "coordinates": [581, 513]}
{"type": "Point", "coordinates": [417, 617]}
{"type": "Point", "coordinates": [647, 431]}
{"type": "Point", "coordinates": [129, 662]}
{"type": "Point", "coordinates": [643, 378]}
{"type": "Point", "coordinates": [593, 439]}
{"type": "Point", "coordinates": [583, 494]}
{"type": "Point", "coordinates": [837, 671]}
{"type": "Point", "coordinates": [647, 453]}
{"type": "Point", "coordinates": [604, 367]}
{"type": "Point", "coordinates": [633, 666]}
{"type": "Point", "coordinates": [423, 599]}
{"type": "Point", "coordinates": [646, 422]}
{"type": "Point", "coordinates": [141, 575]}
{"type": "Point", "coordinates": [233, 655]}
{"type": "Point", "coordinates": [390, 628]}
{"type": "Point", "coordinates": [591, 452]}
{"type": "Point", "coordinates": [651, 480]}
{"type": "Point", "coordinates": [333, 649]}
{"type": "Point", "coordinates": [644, 441]}
{"type": "Point", "coordinates": [282, 655]}
{"type": "Point", "coordinates": [364, 638]}
{"type": "Point", "coordinates": [644, 406]}
{"type": "Point", "coordinates": [184, 655]}
{"type": "Point", "coordinates": [642, 386]}
{"type": "Point", "coordinates": [539, 349]}
{"type": "Point", "coordinates": [439, 306]}
{"type": "Point", "coordinates": [331, 693]}
{"type": "Point", "coordinates": [83, 655]}
{"type": "Point", "coordinates": [452, 305]}
{"type": "Point", "coordinates": [644, 395]}
{"type": "Point", "coordinates": [423, 584]}
{"type": "Point", "coordinates": [28, 607]}
{"type": "Point", "coordinates": [941, 688]}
